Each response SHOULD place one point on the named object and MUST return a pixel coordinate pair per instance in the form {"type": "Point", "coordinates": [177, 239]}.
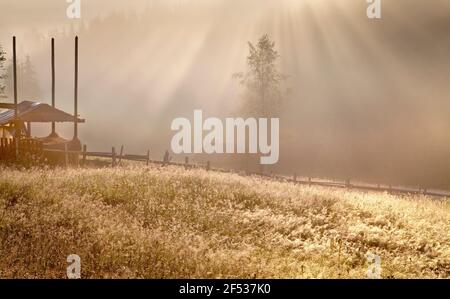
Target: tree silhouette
{"type": "Point", "coordinates": [262, 79]}
{"type": "Point", "coordinates": [2, 72]}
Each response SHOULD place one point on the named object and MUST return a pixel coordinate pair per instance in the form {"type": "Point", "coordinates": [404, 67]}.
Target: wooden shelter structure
{"type": "Point", "coordinates": [16, 120]}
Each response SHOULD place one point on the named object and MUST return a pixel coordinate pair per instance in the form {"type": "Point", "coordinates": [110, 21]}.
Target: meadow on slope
{"type": "Point", "coordinates": [168, 222]}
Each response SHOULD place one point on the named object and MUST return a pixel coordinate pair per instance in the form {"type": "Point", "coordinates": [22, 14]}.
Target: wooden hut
{"type": "Point", "coordinates": [17, 119]}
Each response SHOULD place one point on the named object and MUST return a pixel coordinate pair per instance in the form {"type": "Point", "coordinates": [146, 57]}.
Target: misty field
{"type": "Point", "coordinates": [169, 222]}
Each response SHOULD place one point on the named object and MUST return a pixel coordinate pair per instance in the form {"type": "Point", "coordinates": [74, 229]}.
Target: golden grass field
{"type": "Point", "coordinates": [169, 222]}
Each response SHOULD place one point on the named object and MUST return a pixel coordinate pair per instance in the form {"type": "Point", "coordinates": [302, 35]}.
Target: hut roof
{"type": "Point", "coordinates": [29, 111]}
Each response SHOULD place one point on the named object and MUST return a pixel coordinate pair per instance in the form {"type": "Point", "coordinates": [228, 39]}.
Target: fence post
{"type": "Point", "coordinates": [148, 157]}
{"type": "Point", "coordinates": [347, 183]}
{"type": "Point", "coordinates": [66, 156]}
{"type": "Point", "coordinates": [166, 158]}
{"type": "Point", "coordinates": [5, 147]}
{"type": "Point", "coordinates": [186, 162]}
{"type": "Point", "coordinates": [121, 154]}
{"type": "Point", "coordinates": [76, 157]}
{"type": "Point", "coordinates": [208, 166]}
{"type": "Point", "coordinates": [23, 146]}
{"type": "Point", "coordinates": [1, 148]}
{"type": "Point", "coordinates": [16, 146]}
{"type": "Point", "coordinates": [9, 149]}
{"type": "Point", "coordinates": [113, 156]}
{"type": "Point", "coordinates": [84, 154]}
{"type": "Point", "coordinates": [12, 146]}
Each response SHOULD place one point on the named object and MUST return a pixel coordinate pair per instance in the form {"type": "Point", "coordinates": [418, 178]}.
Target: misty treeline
{"type": "Point", "coordinates": [27, 83]}
{"type": "Point", "coordinates": [368, 102]}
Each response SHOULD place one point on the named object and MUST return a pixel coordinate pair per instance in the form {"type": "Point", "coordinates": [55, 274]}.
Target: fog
{"type": "Point", "coordinates": [369, 100]}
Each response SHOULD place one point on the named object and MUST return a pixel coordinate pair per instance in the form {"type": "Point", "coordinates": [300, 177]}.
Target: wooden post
{"type": "Point", "coordinates": [16, 124]}
{"type": "Point", "coordinates": [148, 157]}
{"type": "Point", "coordinates": [186, 162]}
{"type": "Point", "coordinates": [347, 183]}
{"type": "Point", "coordinates": [6, 149]}
{"type": "Point", "coordinates": [84, 154]}
{"type": "Point", "coordinates": [2, 148]}
{"type": "Point", "coordinates": [53, 84]}
{"type": "Point", "coordinates": [22, 146]}
{"type": "Point", "coordinates": [208, 166]}
{"type": "Point", "coordinates": [121, 154]}
{"type": "Point", "coordinates": [15, 76]}
{"type": "Point", "coordinates": [76, 157]}
{"type": "Point", "coordinates": [166, 158]}
{"type": "Point", "coordinates": [66, 155]}
{"type": "Point", "coordinates": [113, 157]}
{"type": "Point", "coordinates": [12, 147]}
{"type": "Point", "coordinates": [29, 129]}
{"type": "Point", "coordinates": [75, 126]}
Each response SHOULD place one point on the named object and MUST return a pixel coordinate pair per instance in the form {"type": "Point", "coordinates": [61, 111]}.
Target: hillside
{"type": "Point", "coordinates": [169, 222]}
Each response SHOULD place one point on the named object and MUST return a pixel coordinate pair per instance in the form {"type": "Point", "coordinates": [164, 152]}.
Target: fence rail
{"type": "Point", "coordinates": [308, 181]}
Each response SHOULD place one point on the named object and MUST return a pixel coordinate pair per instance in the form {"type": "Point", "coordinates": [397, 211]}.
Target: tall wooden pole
{"type": "Point", "coordinates": [15, 77]}
{"type": "Point", "coordinates": [53, 84]}
{"type": "Point", "coordinates": [75, 129]}
{"type": "Point", "coordinates": [16, 120]}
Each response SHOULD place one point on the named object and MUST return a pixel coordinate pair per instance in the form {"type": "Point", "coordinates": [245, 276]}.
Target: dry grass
{"type": "Point", "coordinates": [171, 223]}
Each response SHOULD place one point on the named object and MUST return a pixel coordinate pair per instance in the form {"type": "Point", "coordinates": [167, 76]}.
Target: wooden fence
{"type": "Point", "coordinates": [11, 148]}
{"type": "Point", "coordinates": [116, 158]}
